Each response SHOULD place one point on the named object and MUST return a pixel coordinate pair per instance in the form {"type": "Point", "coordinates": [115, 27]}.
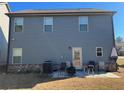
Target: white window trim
{"type": "Point", "coordinates": [101, 51]}
{"type": "Point", "coordinates": [87, 24]}
{"type": "Point", "coordinates": [13, 56]}
{"type": "Point", "coordinates": [44, 25]}
{"type": "Point", "coordinates": [22, 25]}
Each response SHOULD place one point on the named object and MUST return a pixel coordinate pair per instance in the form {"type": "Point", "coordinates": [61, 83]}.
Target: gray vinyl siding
{"type": "Point", "coordinates": [38, 45]}
{"type": "Point", "coordinates": [4, 30]}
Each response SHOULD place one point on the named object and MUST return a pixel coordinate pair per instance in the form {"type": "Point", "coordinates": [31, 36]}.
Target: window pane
{"type": "Point", "coordinates": [18, 21]}
{"type": "Point", "coordinates": [83, 19]}
{"type": "Point", "coordinates": [18, 24]}
{"type": "Point", "coordinates": [17, 51]}
{"type": "Point", "coordinates": [48, 21]}
{"type": "Point", "coordinates": [83, 27]}
{"type": "Point", "coordinates": [18, 28]}
{"type": "Point", "coordinates": [99, 49]}
{"type": "Point", "coordinates": [48, 28]}
{"type": "Point", "coordinates": [99, 53]}
{"type": "Point", "coordinates": [77, 55]}
{"type": "Point", "coordinates": [17, 59]}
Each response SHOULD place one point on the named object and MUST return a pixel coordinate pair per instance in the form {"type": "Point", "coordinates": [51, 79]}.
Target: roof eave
{"type": "Point", "coordinates": [7, 5]}
{"type": "Point", "coordinates": [59, 13]}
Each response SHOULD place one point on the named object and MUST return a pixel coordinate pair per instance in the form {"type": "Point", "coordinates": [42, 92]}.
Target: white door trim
{"type": "Point", "coordinates": [80, 48]}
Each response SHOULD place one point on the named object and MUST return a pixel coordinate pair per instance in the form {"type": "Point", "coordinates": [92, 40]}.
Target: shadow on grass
{"type": "Point", "coordinates": [23, 81]}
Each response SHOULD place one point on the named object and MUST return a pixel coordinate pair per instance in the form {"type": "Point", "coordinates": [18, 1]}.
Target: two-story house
{"type": "Point", "coordinates": [75, 35]}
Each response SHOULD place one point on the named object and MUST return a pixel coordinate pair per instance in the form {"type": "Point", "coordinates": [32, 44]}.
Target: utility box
{"type": "Point", "coordinates": [47, 67]}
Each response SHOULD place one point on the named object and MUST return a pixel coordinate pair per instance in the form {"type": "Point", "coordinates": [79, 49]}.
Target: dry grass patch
{"type": "Point", "coordinates": [83, 83]}
{"type": "Point", "coordinates": [21, 81]}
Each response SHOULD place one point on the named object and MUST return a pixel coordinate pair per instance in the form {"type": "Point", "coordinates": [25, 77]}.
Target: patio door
{"type": "Point", "coordinates": [77, 57]}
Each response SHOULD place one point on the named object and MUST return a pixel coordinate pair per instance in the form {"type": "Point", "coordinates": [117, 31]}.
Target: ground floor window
{"type": "Point", "coordinates": [17, 55]}
{"type": "Point", "coordinates": [99, 51]}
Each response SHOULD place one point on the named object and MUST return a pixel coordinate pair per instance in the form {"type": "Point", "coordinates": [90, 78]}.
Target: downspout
{"type": "Point", "coordinates": [8, 49]}
{"type": "Point", "coordinates": [114, 45]}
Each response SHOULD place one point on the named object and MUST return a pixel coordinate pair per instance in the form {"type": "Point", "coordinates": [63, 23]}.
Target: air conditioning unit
{"type": "Point", "coordinates": [101, 65]}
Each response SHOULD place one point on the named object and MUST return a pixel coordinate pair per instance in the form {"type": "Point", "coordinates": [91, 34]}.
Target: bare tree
{"type": "Point", "coordinates": [119, 42]}
{"type": "Point", "coordinates": [119, 39]}
{"type": "Point", "coordinates": [118, 49]}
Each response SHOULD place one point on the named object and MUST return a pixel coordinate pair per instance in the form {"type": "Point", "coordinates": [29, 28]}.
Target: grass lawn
{"type": "Point", "coordinates": [36, 81]}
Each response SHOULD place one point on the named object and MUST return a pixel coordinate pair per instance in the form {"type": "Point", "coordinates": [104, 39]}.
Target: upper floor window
{"type": "Point", "coordinates": [99, 51]}
{"type": "Point", "coordinates": [18, 22]}
{"type": "Point", "coordinates": [83, 22]}
{"type": "Point", "coordinates": [17, 55]}
{"type": "Point", "coordinates": [48, 24]}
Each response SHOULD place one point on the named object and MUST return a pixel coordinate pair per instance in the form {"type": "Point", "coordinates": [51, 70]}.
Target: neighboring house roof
{"type": "Point", "coordinates": [61, 12]}
{"type": "Point", "coordinates": [7, 5]}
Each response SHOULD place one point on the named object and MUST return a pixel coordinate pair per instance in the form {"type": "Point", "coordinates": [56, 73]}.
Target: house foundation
{"type": "Point", "coordinates": [24, 68]}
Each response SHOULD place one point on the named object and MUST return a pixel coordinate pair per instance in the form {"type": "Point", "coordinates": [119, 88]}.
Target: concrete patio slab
{"type": "Point", "coordinates": [81, 74]}
{"type": "Point", "coordinates": [103, 75]}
